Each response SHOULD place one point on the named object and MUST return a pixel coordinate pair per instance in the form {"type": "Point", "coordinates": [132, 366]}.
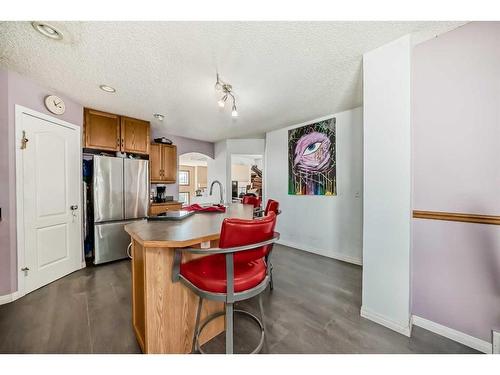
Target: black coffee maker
{"type": "Point", "coordinates": [160, 194]}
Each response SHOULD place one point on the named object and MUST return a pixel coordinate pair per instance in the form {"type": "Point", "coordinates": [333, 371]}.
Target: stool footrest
{"type": "Point", "coordinates": [236, 311]}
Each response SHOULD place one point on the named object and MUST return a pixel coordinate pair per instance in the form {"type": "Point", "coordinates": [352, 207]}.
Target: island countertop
{"type": "Point", "coordinates": [200, 227]}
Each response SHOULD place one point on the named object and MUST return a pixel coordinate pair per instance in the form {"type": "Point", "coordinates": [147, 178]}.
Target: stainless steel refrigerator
{"type": "Point", "coordinates": [120, 193]}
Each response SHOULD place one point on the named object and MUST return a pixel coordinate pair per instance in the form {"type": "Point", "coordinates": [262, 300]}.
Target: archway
{"type": "Point", "coordinates": [193, 178]}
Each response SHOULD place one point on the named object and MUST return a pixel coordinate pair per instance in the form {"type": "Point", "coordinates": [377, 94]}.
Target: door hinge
{"type": "Point", "coordinates": [24, 141]}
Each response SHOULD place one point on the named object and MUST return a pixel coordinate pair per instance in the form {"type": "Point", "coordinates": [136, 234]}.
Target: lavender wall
{"type": "Point", "coordinates": [16, 89]}
{"type": "Point", "coordinates": [5, 279]}
{"type": "Point", "coordinates": [456, 143]}
{"type": "Point", "coordinates": [185, 145]}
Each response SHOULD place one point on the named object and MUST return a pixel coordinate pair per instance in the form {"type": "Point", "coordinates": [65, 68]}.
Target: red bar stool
{"type": "Point", "coordinates": [271, 206]}
{"type": "Point", "coordinates": [254, 201]}
{"type": "Point", "coordinates": [235, 271]}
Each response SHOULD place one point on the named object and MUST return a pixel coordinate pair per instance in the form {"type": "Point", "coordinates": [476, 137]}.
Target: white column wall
{"type": "Point", "coordinates": [387, 185]}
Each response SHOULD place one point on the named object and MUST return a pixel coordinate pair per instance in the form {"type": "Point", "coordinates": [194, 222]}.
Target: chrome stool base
{"type": "Point", "coordinates": [236, 311]}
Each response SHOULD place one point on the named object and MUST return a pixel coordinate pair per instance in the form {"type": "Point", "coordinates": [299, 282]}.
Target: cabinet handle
{"type": "Point", "coordinates": [118, 142]}
{"type": "Point", "coordinates": [122, 142]}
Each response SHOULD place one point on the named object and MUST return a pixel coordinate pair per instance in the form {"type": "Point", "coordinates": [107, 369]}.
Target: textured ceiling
{"type": "Point", "coordinates": [282, 72]}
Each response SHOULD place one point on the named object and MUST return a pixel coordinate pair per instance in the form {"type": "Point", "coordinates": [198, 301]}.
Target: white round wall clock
{"type": "Point", "coordinates": [55, 104]}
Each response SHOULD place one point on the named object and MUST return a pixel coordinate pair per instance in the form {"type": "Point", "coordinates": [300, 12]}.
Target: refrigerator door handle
{"type": "Point", "coordinates": [111, 241]}
{"type": "Point", "coordinates": [129, 251]}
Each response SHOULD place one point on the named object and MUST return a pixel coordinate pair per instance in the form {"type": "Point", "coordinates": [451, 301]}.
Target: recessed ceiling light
{"type": "Point", "coordinates": [107, 88]}
{"type": "Point", "coordinates": [47, 30]}
{"type": "Point", "coordinates": [158, 116]}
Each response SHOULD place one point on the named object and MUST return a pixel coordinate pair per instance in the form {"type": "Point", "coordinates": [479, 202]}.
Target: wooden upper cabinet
{"type": "Point", "coordinates": [102, 130]}
{"type": "Point", "coordinates": [169, 163]}
{"type": "Point", "coordinates": [109, 132]}
{"type": "Point", "coordinates": [163, 163]}
{"type": "Point", "coordinates": [134, 135]}
{"type": "Point", "coordinates": [155, 164]}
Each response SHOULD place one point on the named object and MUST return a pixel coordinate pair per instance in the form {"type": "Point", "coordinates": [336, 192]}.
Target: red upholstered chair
{"type": "Point", "coordinates": [271, 206]}
{"type": "Point", "coordinates": [253, 200]}
{"type": "Point", "coordinates": [235, 271]}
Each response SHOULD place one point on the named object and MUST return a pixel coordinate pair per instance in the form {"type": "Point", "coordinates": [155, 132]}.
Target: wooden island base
{"type": "Point", "coordinates": [164, 312]}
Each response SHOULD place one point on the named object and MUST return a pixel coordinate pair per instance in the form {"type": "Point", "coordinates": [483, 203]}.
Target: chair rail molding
{"type": "Point", "coordinates": [456, 216]}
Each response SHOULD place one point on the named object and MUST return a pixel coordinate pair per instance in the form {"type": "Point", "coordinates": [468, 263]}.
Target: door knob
{"type": "Point", "coordinates": [73, 209]}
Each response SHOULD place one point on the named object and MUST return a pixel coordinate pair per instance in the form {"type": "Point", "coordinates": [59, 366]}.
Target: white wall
{"type": "Point", "coordinates": [246, 146]}
{"type": "Point", "coordinates": [326, 225]}
{"type": "Point", "coordinates": [387, 185]}
{"type": "Point", "coordinates": [217, 170]}
{"type": "Point", "coordinates": [240, 173]}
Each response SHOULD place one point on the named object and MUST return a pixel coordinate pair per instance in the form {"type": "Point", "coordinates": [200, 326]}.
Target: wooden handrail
{"type": "Point", "coordinates": [453, 216]}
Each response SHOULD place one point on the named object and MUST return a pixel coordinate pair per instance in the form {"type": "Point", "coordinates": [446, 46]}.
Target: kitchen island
{"type": "Point", "coordinates": [164, 312]}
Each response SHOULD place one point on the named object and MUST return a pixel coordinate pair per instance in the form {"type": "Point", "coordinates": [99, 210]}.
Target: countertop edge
{"type": "Point", "coordinates": [172, 244]}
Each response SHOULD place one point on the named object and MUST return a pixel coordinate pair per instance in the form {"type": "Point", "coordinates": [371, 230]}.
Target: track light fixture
{"type": "Point", "coordinates": [226, 89]}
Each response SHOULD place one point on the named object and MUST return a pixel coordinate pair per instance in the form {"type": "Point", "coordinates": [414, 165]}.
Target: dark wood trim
{"type": "Point", "coordinates": [168, 203]}
{"type": "Point", "coordinates": [452, 216]}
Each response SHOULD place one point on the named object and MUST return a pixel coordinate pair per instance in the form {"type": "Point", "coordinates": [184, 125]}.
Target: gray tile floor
{"type": "Point", "coordinates": [314, 308]}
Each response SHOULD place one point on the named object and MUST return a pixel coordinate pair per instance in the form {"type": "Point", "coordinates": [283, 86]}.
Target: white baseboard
{"type": "Point", "coordinates": [386, 322]}
{"type": "Point", "coordinates": [462, 338]}
{"type": "Point", "coordinates": [496, 342]}
{"type": "Point", "coordinates": [329, 254]}
{"type": "Point", "coordinates": [9, 298]}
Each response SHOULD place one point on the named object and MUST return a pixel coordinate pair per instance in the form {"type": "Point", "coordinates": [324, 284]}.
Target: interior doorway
{"type": "Point", "coordinates": [193, 179]}
{"type": "Point", "coordinates": [246, 176]}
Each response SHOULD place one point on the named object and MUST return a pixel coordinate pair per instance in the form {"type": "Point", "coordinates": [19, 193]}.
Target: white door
{"type": "Point", "coordinates": [48, 169]}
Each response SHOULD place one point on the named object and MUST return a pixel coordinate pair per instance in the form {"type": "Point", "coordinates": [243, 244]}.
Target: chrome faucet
{"type": "Point", "coordinates": [220, 188]}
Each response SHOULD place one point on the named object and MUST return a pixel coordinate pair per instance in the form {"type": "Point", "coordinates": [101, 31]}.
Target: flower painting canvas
{"type": "Point", "coordinates": [311, 159]}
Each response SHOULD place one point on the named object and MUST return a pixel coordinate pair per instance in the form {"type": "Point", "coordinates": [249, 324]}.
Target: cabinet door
{"type": "Point", "coordinates": [102, 130]}
{"type": "Point", "coordinates": [134, 135]}
{"type": "Point", "coordinates": [155, 162]}
{"type": "Point", "coordinates": [169, 158]}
